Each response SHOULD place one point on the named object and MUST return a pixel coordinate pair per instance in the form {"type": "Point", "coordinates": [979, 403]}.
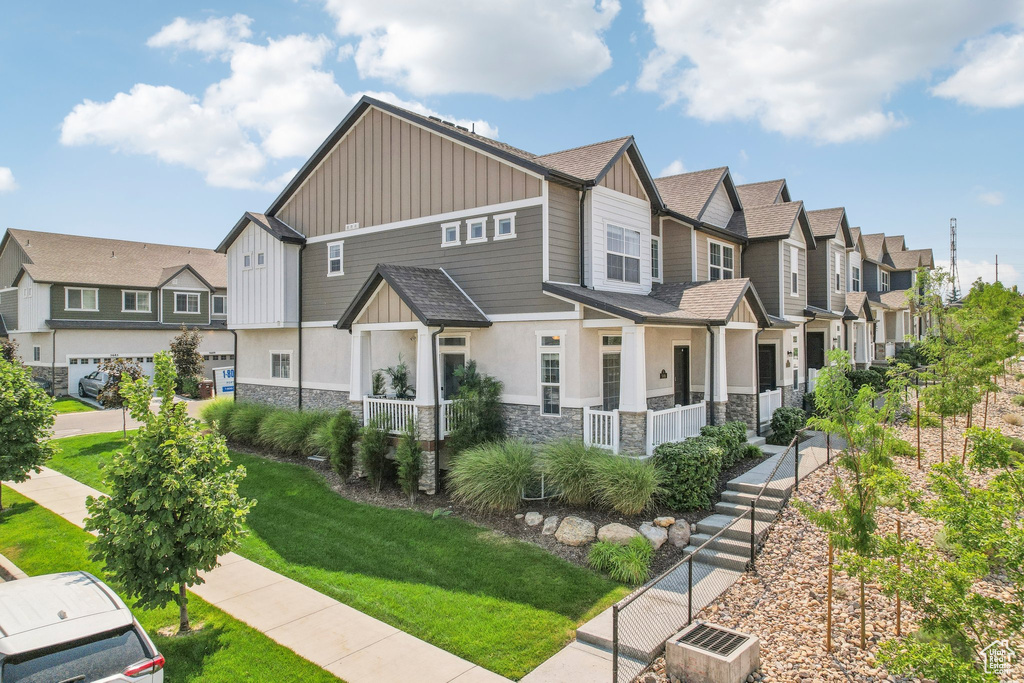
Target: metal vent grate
{"type": "Point", "coordinates": [713, 639]}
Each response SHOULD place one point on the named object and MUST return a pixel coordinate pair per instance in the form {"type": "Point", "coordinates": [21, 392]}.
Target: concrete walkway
{"type": "Point", "coordinates": [344, 641]}
{"type": "Point", "coordinates": [101, 421]}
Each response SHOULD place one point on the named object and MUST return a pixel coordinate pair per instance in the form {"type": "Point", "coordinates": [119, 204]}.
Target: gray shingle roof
{"type": "Point", "coordinates": [855, 234]}
{"type": "Point", "coordinates": [129, 325]}
{"type": "Point", "coordinates": [905, 260]}
{"type": "Point", "coordinates": [857, 303]}
{"type": "Point", "coordinates": [767, 221]}
{"type": "Point", "coordinates": [761, 194]}
{"type": "Point", "coordinates": [895, 243]}
{"type": "Point", "coordinates": [826, 222]}
{"type": "Point", "coordinates": [119, 263]}
{"type": "Point", "coordinates": [688, 193]}
{"type": "Point", "coordinates": [585, 162]}
{"type": "Point", "coordinates": [894, 299]}
{"type": "Point", "coordinates": [430, 293]}
{"type": "Point", "coordinates": [874, 246]}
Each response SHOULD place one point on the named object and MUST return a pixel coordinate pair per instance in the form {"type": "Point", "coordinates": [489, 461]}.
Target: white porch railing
{"type": "Point", "coordinates": [398, 411]}
{"type": "Point", "coordinates": [601, 429]}
{"type": "Point", "coordinates": [770, 402]}
{"type": "Point", "coordinates": [674, 424]}
{"type": "Point", "coordinates": [812, 376]}
{"type": "Point", "coordinates": [450, 411]}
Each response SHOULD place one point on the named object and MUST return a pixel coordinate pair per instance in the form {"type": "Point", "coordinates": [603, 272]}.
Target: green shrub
{"type": "Point", "coordinates": [731, 437]}
{"type": "Point", "coordinates": [493, 476]}
{"type": "Point", "coordinates": [927, 419]}
{"type": "Point", "coordinates": [217, 413]}
{"type": "Point", "coordinates": [630, 563]}
{"type": "Point", "coordinates": [289, 432]}
{"type": "Point", "coordinates": [189, 386]}
{"type": "Point", "coordinates": [571, 468]}
{"type": "Point", "coordinates": [1016, 445]}
{"type": "Point", "coordinates": [915, 356]}
{"type": "Point", "coordinates": [1019, 376]}
{"type": "Point", "coordinates": [785, 423]}
{"type": "Point", "coordinates": [627, 484]}
{"type": "Point", "coordinates": [872, 377]}
{"type": "Point", "coordinates": [478, 411]}
{"type": "Point", "coordinates": [752, 451]}
{"type": "Point", "coordinates": [900, 448]}
{"type": "Point", "coordinates": [244, 425]}
{"type": "Point", "coordinates": [1018, 400]}
{"type": "Point", "coordinates": [374, 446]}
{"type": "Point", "coordinates": [337, 439]}
{"type": "Point", "coordinates": [691, 470]}
{"type": "Point", "coordinates": [409, 457]}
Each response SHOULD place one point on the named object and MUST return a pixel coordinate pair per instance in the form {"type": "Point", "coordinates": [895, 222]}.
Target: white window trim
{"type": "Point", "coordinates": [604, 351]}
{"type": "Point", "coordinates": [264, 255]}
{"type": "Point", "coordinates": [794, 268]}
{"type": "Point", "coordinates": [247, 254]}
{"type": "Point", "coordinates": [26, 293]}
{"type": "Point", "coordinates": [483, 230]}
{"type": "Point", "coordinates": [541, 350]}
{"type": "Point", "coordinates": [855, 281]}
{"type": "Point", "coordinates": [837, 276]}
{"type": "Point", "coordinates": [884, 280]}
{"type": "Point", "coordinates": [81, 289]}
{"type": "Point", "coordinates": [288, 353]}
{"type": "Point", "coordinates": [655, 239]}
{"type": "Point", "coordinates": [137, 292]}
{"type": "Point", "coordinates": [722, 268]}
{"type": "Point", "coordinates": [458, 234]}
{"type": "Point", "coordinates": [341, 257]}
{"type": "Point", "coordinates": [640, 258]}
{"type": "Point", "coordinates": [199, 303]}
{"type": "Point", "coordinates": [224, 298]}
{"type": "Point", "coordinates": [497, 218]}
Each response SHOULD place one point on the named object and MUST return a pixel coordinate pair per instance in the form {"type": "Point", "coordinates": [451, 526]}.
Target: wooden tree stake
{"type": "Point", "coordinates": [828, 613]}
{"type": "Point", "coordinates": [899, 567]}
{"type": "Point", "coordinates": [919, 432]}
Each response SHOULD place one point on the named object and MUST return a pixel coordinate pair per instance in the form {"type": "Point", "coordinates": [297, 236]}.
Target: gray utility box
{"type": "Point", "coordinates": [706, 653]}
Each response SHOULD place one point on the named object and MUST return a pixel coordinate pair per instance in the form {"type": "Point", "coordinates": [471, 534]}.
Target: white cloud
{"type": "Point", "coordinates": [824, 70]}
{"type": "Point", "coordinates": [970, 271]}
{"type": "Point", "coordinates": [621, 90]}
{"type": "Point", "coordinates": [7, 183]}
{"type": "Point", "coordinates": [990, 197]}
{"type": "Point", "coordinates": [277, 102]}
{"type": "Point", "coordinates": [674, 168]}
{"type": "Point", "coordinates": [507, 48]}
{"type": "Point", "coordinates": [992, 75]}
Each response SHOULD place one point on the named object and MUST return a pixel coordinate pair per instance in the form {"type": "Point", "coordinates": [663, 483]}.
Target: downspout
{"type": "Point", "coordinates": [53, 365]}
{"type": "Point", "coordinates": [437, 410]}
{"type": "Point", "coordinates": [711, 371]}
{"type": "Point", "coordinates": [234, 365]}
{"type": "Point", "coordinates": [298, 374]}
{"type": "Point", "coordinates": [757, 379]}
{"type": "Point", "coordinates": [583, 232]}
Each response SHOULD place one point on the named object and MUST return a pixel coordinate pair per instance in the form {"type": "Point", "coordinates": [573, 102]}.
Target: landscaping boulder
{"type": "Point", "coordinates": [533, 518]}
{"type": "Point", "coordinates": [664, 521]}
{"type": "Point", "coordinates": [655, 534]}
{"type": "Point", "coordinates": [519, 516]}
{"type": "Point", "coordinates": [575, 531]}
{"type": "Point", "coordinates": [679, 534]}
{"type": "Point", "coordinates": [619, 534]}
{"type": "Point", "coordinates": [550, 524]}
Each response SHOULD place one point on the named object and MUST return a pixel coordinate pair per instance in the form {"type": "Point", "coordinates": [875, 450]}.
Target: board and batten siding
{"type": "Point", "coordinates": [501, 276]}
{"type": "Point", "coordinates": [33, 310]}
{"type": "Point", "coordinates": [563, 234]}
{"type": "Point", "coordinates": [110, 304]}
{"type": "Point", "coordinates": [9, 308]}
{"type": "Point", "coordinates": [386, 169]}
{"type": "Point", "coordinates": [11, 261]}
{"type": "Point", "coordinates": [761, 265]}
{"type": "Point", "coordinates": [621, 177]}
{"type": "Point", "coordinates": [386, 306]}
{"type": "Point", "coordinates": [677, 251]}
{"type": "Point", "coordinates": [719, 209]}
{"type": "Point", "coordinates": [608, 207]}
{"type": "Point", "coordinates": [262, 296]}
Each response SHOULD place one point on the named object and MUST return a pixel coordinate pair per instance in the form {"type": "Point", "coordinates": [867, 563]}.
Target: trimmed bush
{"type": "Point", "coordinates": [337, 439]}
{"type": "Point", "coordinates": [217, 413]}
{"type": "Point", "coordinates": [571, 468]}
{"type": "Point", "coordinates": [493, 476]}
{"type": "Point", "coordinates": [872, 377]}
{"type": "Point", "coordinates": [409, 457]}
{"type": "Point", "coordinates": [691, 470]}
{"type": "Point", "coordinates": [731, 437]}
{"type": "Point", "coordinates": [630, 563]}
{"type": "Point", "coordinates": [626, 484]}
{"type": "Point", "coordinates": [374, 446]}
{"type": "Point", "coordinates": [289, 432]}
{"type": "Point", "coordinates": [915, 356]}
{"type": "Point", "coordinates": [785, 423]}
{"type": "Point", "coordinates": [244, 426]}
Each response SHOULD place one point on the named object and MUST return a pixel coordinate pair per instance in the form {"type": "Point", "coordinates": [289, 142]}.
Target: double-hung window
{"type": "Point", "coordinates": [884, 275]}
{"type": "Point", "coordinates": [186, 302]}
{"type": "Point", "coordinates": [81, 299]}
{"type": "Point", "coordinates": [335, 258]}
{"type": "Point", "coordinates": [135, 302]}
{"type": "Point", "coordinates": [281, 364]}
{"type": "Point", "coordinates": [623, 258]}
{"type": "Point", "coordinates": [794, 271]}
{"type": "Point", "coordinates": [550, 374]}
{"type": "Point", "coordinates": [721, 261]}
{"type": "Point", "coordinates": [837, 261]}
{"type": "Point", "coordinates": [656, 259]}
{"type": "Point", "coordinates": [476, 230]}
{"type": "Point", "coordinates": [220, 304]}
{"type": "Point", "coordinates": [855, 278]}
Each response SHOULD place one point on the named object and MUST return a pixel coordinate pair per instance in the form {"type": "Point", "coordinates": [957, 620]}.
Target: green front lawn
{"type": "Point", "coordinates": [500, 603]}
{"type": "Point", "coordinates": [225, 649]}
{"type": "Point", "coordinates": [68, 404]}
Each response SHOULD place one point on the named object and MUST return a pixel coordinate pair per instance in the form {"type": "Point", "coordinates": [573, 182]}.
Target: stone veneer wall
{"type": "Point", "coordinates": [661, 402]}
{"type": "Point", "coordinates": [58, 378]}
{"type": "Point", "coordinates": [281, 397]}
{"type": "Point", "coordinates": [793, 398]}
{"type": "Point", "coordinates": [526, 422]}
{"type": "Point", "coordinates": [633, 433]}
{"type": "Point", "coordinates": [743, 407]}
{"type": "Point", "coordinates": [720, 411]}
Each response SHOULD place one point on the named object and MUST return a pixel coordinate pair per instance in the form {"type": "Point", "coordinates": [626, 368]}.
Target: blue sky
{"type": "Point", "coordinates": [165, 122]}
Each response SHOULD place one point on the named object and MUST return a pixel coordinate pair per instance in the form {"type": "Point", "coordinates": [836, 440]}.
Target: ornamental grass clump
{"type": "Point", "coordinates": [288, 431]}
{"type": "Point", "coordinates": [336, 438]}
{"type": "Point", "coordinates": [627, 484]}
{"type": "Point", "coordinates": [570, 467]}
{"type": "Point", "coordinates": [217, 413]}
{"type": "Point", "coordinates": [244, 426]}
{"type": "Point", "coordinates": [493, 476]}
{"type": "Point", "coordinates": [629, 564]}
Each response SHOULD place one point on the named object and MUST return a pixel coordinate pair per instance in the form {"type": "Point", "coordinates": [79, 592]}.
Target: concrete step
{"type": "Point", "coordinates": [740, 498]}
{"type": "Point", "coordinates": [720, 558]}
{"type": "Point", "coordinates": [737, 509]}
{"type": "Point", "coordinates": [722, 544]}
{"type": "Point", "coordinates": [712, 524]}
{"type": "Point", "coordinates": [777, 489]}
{"type": "Point", "coordinates": [756, 440]}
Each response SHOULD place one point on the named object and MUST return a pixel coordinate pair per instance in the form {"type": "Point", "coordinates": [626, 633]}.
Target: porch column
{"type": "Point", "coordinates": [721, 379]}
{"type": "Point", "coordinates": [359, 366]}
{"type": "Point", "coordinates": [633, 391]}
{"type": "Point", "coordinates": [425, 390]}
{"type": "Point", "coordinates": [424, 367]}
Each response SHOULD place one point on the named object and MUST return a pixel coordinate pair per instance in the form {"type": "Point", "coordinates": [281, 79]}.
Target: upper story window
{"type": "Point", "coordinates": [623, 257]}
{"type": "Point", "coordinates": [450, 234]}
{"type": "Point", "coordinates": [855, 278]}
{"type": "Point", "coordinates": [656, 258]}
{"type": "Point", "coordinates": [883, 276]}
{"type": "Point", "coordinates": [721, 260]}
{"type": "Point", "coordinates": [26, 293]}
{"type": "Point", "coordinates": [136, 302]}
{"type": "Point", "coordinates": [504, 226]}
{"type": "Point", "coordinates": [81, 299]}
{"type": "Point", "coordinates": [261, 259]}
{"type": "Point", "coordinates": [838, 264]}
{"type": "Point", "coordinates": [246, 260]}
{"type": "Point", "coordinates": [219, 305]}
{"type": "Point", "coordinates": [335, 258]}
{"type": "Point", "coordinates": [476, 230]}
{"type": "Point", "coordinates": [794, 271]}
{"type": "Point", "coordinates": [186, 302]}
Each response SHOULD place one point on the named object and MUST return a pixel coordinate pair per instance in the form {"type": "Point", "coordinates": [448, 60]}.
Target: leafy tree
{"type": "Point", "coordinates": [26, 417]}
{"type": "Point", "coordinates": [188, 362]}
{"type": "Point", "coordinates": [8, 350]}
{"type": "Point", "coordinates": [119, 370]}
{"type": "Point", "coordinates": [174, 506]}
{"type": "Point", "coordinates": [478, 410]}
{"type": "Point", "coordinates": [409, 457]}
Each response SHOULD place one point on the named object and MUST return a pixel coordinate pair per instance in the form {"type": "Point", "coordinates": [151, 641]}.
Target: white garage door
{"type": "Point", "coordinates": [80, 366]}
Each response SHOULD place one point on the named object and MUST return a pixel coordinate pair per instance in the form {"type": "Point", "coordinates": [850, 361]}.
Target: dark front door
{"type": "Point", "coordinates": [766, 368]}
{"type": "Point", "coordinates": [681, 382]}
{"type": "Point", "coordinates": [816, 350]}
{"type": "Point", "coordinates": [450, 383]}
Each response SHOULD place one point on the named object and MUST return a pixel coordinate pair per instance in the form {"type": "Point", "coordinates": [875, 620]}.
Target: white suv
{"type": "Point", "coordinates": [71, 627]}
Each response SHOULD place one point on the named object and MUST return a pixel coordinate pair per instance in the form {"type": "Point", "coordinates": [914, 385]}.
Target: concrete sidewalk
{"type": "Point", "coordinates": [344, 641]}
{"type": "Point", "coordinates": [101, 421]}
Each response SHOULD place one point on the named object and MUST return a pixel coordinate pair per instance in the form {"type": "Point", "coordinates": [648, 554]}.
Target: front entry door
{"type": "Point", "coordinates": [681, 381]}
{"type": "Point", "coordinates": [450, 383]}
{"type": "Point", "coordinates": [766, 368]}
{"type": "Point", "coordinates": [816, 350]}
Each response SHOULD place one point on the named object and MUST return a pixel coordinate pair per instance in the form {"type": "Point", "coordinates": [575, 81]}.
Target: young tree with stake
{"type": "Point", "coordinates": [119, 371]}
{"type": "Point", "coordinates": [26, 417]}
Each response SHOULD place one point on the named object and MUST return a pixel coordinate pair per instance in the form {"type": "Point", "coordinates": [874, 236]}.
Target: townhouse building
{"type": "Point", "coordinates": [72, 302]}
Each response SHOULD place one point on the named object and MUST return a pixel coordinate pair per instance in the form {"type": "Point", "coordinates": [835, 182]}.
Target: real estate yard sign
{"type": "Point", "coordinates": [224, 380]}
